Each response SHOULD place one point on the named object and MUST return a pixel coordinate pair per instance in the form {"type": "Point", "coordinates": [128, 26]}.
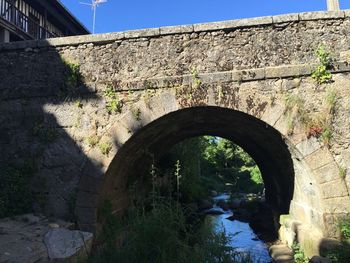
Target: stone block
{"type": "Point", "coordinates": [319, 158]}
{"type": "Point", "coordinates": [129, 121]}
{"type": "Point", "coordinates": [273, 114]}
{"type": "Point", "coordinates": [155, 104]}
{"type": "Point", "coordinates": [285, 18]}
{"type": "Point", "coordinates": [170, 30]}
{"type": "Point", "coordinates": [283, 71]}
{"type": "Point", "coordinates": [322, 15]}
{"type": "Point", "coordinates": [340, 205]}
{"type": "Point", "coordinates": [63, 244]}
{"type": "Point", "coordinates": [334, 189]}
{"type": "Point", "coordinates": [232, 24]}
{"type": "Point", "coordinates": [256, 21]}
{"type": "Point", "coordinates": [308, 146]}
{"type": "Point", "coordinates": [249, 74]}
{"type": "Point", "coordinates": [217, 77]}
{"type": "Point", "coordinates": [150, 32]}
{"type": "Point", "coordinates": [345, 55]}
{"type": "Point", "coordinates": [146, 114]}
{"type": "Point", "coordinates": [169, 102]}
{"type": "Point", "coordinates": [214, 26]}
{"type": "Point", "coordinates": [309, 239]}
{"type": "Point", "coordinates": [120, 134]}
{"type": "Point", "coordinates": [327, 173]}
{"type": "Point", "coordinates": [340, 67]}
{"type": "Point", "coordinates": [84, 39]}
{"type": "Point", "coordinates": [307, 69]}
{"type": "Point", "coordinates": [287, 230]}
{"type": "Point", "coordinates": [161, 82]}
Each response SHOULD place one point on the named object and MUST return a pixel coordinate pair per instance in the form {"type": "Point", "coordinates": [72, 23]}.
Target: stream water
{"type": "Point", "coordinates": [243, 237]}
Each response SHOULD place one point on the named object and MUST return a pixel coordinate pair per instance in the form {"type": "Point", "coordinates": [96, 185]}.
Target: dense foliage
{"type": "Point", "coordinates": [165, 235]}
{"type": "Point", "coordinates": [211, 163]}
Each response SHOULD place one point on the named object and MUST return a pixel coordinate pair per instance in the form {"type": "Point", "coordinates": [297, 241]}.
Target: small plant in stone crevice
{"type": "Point", "coordinates": [79, 104]}
{"type": "Point", "coordinates": [113, 103]}
{"type": "Point", "coordinates": [92, 140]}
{"type": "Point", "coordinates": [331, 100]}
{"type": "Point", "coordinates": [196, 82]}
{"type": "Point", "coordinates": [220, 93]}
{"type": "Point", "coordinates": [327, 131]}
{"type": "Point", "coordinates": [72, 78]}
{"type": "Point", "coordinates": [322, 74]}
{"type": "Point", "coordinates": [295, 110]}
{"type": "Point", "coordinates": [342, 172]}
{"type": "Point", "coordinates": [105, 147]}
{"type": "Point", "coordinates": [148, 94]}
{"type": "Point", "coordinates": [136, 113]}
{"type": "Point", "coordinates": [73, 74]}
{"type": "Point", "coordinates": [299, 256]}
{"type": "Point", "coordinates": [315, 124]}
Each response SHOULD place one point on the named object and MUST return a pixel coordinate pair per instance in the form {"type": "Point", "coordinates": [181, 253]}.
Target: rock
{"type": "Point", "coordinates": [241, 215]}
{"type": "Point", "coordinates": [29, 238]}
{"type": "Point", "coordinates": [281, 254]}
{"type": "Point", "coordinates": [319, 259]}
{"type": "Point", "coordinates": [30, 219]}
{"type": "Point", "coordinates": [223, 205]}
{"type": "Point", "coordinates": [63, 244]}
{"type": "Point", "coordinates": [235, 203]}
{"type": "Point", "coordinates": [204, 204]}
{"type": "Point", "coordinates": [214, 211]}
{"type": "Point", "coordinates": [21, 239]}
{"type": "Point", "coordinates": [214, 193]}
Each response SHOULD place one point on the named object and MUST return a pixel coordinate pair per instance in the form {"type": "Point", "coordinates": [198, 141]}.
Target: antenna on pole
{"type": "Point", "coordinates": [94, 4]}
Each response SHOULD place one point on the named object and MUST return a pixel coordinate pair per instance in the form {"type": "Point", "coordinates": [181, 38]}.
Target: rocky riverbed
{"type": "Point", "coordinates": [34, 238]}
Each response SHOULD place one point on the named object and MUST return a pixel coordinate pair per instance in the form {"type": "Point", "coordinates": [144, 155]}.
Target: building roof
{"type": "Point", "coordinates": [74, 18]}
{"type": "Point", "coordinates": [57, 11]}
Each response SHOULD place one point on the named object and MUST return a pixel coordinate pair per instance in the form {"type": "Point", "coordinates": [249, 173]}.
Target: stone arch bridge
{"type": "Point", "coordinates": [92, 110]}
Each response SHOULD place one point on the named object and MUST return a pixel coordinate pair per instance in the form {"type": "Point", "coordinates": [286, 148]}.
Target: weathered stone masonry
{"type": "Point", "coordinates": [166, 79]}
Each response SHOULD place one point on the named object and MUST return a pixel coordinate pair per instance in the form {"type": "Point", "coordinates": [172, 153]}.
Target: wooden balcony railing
{"type": "Point", "coordinates": [22, 22]}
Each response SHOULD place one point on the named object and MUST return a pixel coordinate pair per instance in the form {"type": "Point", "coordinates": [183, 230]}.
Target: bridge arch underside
{"type": "Point", "coordinates": [261, 141]}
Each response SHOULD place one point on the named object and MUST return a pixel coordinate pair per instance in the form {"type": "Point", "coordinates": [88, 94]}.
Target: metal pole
{"type": "Point", "coordinates": [94, 20]}
{"type": "Point", "coordinates": [333, 5]}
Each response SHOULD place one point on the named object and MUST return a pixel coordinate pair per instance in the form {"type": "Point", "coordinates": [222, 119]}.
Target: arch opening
{"type": "Point", "coordinates": [261, 141]}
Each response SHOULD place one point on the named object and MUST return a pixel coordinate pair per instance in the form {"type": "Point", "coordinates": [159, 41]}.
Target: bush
{"type": "Point", "coordinates": [165, 235]}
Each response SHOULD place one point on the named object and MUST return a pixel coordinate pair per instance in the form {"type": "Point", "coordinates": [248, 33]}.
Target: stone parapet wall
{"type": "Point", "coordinates": [182, 29]}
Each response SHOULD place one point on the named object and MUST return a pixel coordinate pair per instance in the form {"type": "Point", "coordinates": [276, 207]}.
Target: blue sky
{"type": "Point", "coordinates": [119, 15]}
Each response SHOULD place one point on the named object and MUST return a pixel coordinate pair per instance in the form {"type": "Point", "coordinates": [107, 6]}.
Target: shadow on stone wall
{"type": "Point", "coordinates": [41, 121]}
